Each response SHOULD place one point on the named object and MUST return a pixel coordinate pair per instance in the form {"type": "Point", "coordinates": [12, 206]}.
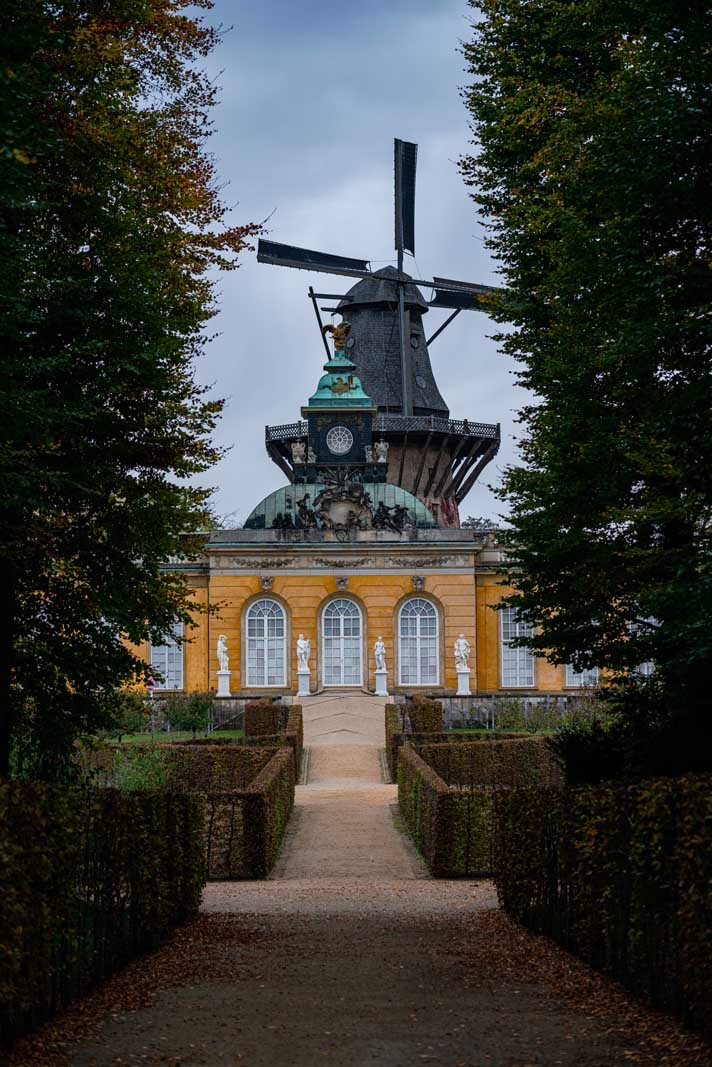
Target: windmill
{"type": "Point", "coordinates": [391, 354]}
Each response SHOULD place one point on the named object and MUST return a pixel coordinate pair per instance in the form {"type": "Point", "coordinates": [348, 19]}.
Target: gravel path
{"type": "Point", "coordinates": [351, 955]}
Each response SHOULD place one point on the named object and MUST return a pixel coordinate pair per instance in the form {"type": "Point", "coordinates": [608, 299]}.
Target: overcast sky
{"type": "Point", "coordinates": [312, 95]}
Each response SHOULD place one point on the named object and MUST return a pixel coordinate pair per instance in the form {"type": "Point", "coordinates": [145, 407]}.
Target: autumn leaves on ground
{"type": "Point", "coordinates": [351, 954]}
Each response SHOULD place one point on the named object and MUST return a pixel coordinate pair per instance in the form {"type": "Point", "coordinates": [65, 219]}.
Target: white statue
{"type": "Point", "coordinates": [379, 651]}
{"type": "Point", "coordinates": [311, 455]}
{"type": "Point", "coordinates": [462, 652]}
{"type": "Point", "coordinates": [381, 449]}
{"type": "Point", "coordinates": [303, 652]}
{"type": "Point", "coordinates": [299, 450]}
{"type": "Point", "coordinates": [222, 653]}
{"type": "Point", "coordinates": [368, 452]}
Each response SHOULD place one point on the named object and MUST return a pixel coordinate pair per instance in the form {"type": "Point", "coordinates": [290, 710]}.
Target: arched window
{"type": "Point", "coordinates": [517, 664]}
{"type": "Point", "coordinates": [167, 660]}
{"type": "Point", "coordinates": [342, 643]}
{"type": "Point", "coordinates": [418, 658]}
{"type": "Point", "coordinates": [266, 644]}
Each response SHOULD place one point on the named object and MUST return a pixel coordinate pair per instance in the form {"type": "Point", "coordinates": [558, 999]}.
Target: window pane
{"type": "Point", "coordinates": [266, 644]}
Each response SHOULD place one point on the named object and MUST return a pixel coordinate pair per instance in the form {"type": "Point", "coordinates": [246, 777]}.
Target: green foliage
{"type": "Point", "coordinates": [426, 716]}
{"type": "Point", "coordinates": [619, 875]}
{"type": "Point", "coordinates": [446, 797]}
{"type": "Point", "coordinates": [631, 736]}
{"type": "Point", "coordinates": [107, 877]}
{"type": "Point", "coordinates": [592, 170]}
{"type": "Point", "coordinates": [130, 715]}
{"type": "Point", "coordinates": [262, 717]}
{"type": "Point", "coordinates": [138, 769]}
{"type": "Point", "coordinates": [514, 762]}
{"type": "Point", "coordinates": [245, 829]}
{"type": "Point", "coordinates": [188, 711]}
{"type": "Point", "coordinates": [111, 228]}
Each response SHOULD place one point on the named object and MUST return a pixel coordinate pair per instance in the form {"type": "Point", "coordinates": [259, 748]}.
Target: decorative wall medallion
{"type": "Point", "coordinates": [343, 507]}
{"type": "Point", "coordinates": [342, 583]}
{"type": "Point", "coordinates": [418, 583]}
{"type": "Point", "coordinates": [266, 583]}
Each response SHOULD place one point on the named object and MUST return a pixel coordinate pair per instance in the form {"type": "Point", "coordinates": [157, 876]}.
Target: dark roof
{"type": "Point", "coordinates": [374, 344]}
{"type": "Point", "coordinates": [380, 289]}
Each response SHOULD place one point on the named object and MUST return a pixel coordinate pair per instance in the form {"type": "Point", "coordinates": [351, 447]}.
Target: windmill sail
{"type": "Point", "coordinates": [405, 159]}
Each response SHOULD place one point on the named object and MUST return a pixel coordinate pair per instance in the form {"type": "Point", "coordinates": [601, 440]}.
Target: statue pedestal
{"type": "Point", "coordinates": [463, 682]}
{"type": "Point", "coordinates": [382, 683]}
{"type": "Point", "coordinates": [304, 678]}
{"type": "Point", "coordinates": [223, 683]}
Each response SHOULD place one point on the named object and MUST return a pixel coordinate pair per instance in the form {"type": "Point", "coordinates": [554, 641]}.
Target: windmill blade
{"type": "Point", "coordinates": [466, 296]}
{"type": "Point", "coordinates": [280, 255]}
{"type": "Point", "coordinates": [405, 160]}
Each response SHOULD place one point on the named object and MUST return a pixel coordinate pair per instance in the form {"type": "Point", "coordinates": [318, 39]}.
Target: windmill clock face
{"type": "Point", "coordinates": [339, 440]}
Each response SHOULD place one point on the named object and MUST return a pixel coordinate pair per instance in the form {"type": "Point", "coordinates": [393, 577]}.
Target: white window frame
{"type": "Point", "coordinates": [324, 637]}
{"type": "Point", "coordinates": [586, 679]}
{"type": "Point", "coordinates": [264, 640]}
{"type": "Point", "coordinates": [166, 659]}
{"type": "Point", "coordinates": [514, 659]}
{"type": "Point", "coordinates": [419, 639]}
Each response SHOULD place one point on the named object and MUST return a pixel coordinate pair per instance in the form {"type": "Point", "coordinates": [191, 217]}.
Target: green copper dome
{"type": "Point", "coordinates": [286, 502]}
{"type": "Point", "coordinates": [339, 387]}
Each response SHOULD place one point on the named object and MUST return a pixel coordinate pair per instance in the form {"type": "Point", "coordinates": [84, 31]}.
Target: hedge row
{"type": "Point", "coordinates": [276, 722]}
{"type": "Point", "coordinates": [451, 829]}
{"type": "Point", "coordinates": [524, 761]}
{"type": "Point", "coordinates": [622, 876]}
{"type": "Point", "coordinates": [89, 879]}
{"type": "Point", "coordinates": [397, 735]}
{"type": "Point", "coordinates": [446, 796]}
{"type": "Point", "coordinates": [244, 829]}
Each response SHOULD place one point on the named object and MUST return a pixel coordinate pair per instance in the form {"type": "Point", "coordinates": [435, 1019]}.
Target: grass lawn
{"type": "Point", "coordinates": [179, 735]}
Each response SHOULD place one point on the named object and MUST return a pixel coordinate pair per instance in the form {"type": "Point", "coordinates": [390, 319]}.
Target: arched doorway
{"type": "Point", "coordinates": [342, 643]}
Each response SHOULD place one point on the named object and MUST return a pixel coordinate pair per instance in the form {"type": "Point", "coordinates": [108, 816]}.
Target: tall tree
{"type": "Point", "coordinates": [110, 227]}
{"type": "Point", "coordinates": [593, 165]}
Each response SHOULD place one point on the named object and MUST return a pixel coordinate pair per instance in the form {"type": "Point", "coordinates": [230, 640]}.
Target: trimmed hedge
{"type": "Point", "coordinates": [277, 724]}
{"type": "Point", "coordinates": [397, 736]}
{"type": "Point", "coordinates": [524, 761]}
{"type": "Point", "coordinates": [451, 829]}
{"type": "Point", "coordinates": [621, 876]}
{"type": "Point", "coordinates": [426, 715]}
{"type": "Point", "coordinates": [262, 718]}
{"type": "Point", "coordinates": [89, 879]}
{"type": "Point", "coordinates": [446, 796]}
{"type": "Point", "coordinates": [244, 829]}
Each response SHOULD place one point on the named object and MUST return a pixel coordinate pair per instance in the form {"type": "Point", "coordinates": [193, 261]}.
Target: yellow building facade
{"type": "Point", "coordinates": [379, 577]}
{"type": "Point", "coordinates": [360, 558]}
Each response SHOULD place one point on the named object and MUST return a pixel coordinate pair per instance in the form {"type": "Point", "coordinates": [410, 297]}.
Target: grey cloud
{"type": "Point", "coordinates": [312, 95]}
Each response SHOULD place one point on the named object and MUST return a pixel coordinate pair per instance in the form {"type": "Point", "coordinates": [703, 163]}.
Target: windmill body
{"type": "Point", "coordinates": [432, 456]}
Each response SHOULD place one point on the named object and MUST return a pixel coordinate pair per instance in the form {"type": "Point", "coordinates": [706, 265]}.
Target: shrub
{"type": "Point", "coordinates": [426, 715]}
{"type": "Point", "coordinates": [106, 877]}
{"type": "Point", "coordinates": [130, 714]}
{"type": "Point", "coordinates": [620, 875]}
{"type": "Point", "coordinates": [188, 711]}
{"type": "Point", "coordinates": [451, 830]}
{"type": "Point", "coordinates": [484, 762]}
{"type": "Point", "coordinates": [446, 791]}
{"type": "Point", "coordinates": [244, 829]}
{"type": "Point", "coordinates": [262, 718]}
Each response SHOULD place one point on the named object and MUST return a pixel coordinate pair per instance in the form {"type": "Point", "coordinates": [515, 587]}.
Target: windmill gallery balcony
{"type": "Point", "coordinates": [428, 455]}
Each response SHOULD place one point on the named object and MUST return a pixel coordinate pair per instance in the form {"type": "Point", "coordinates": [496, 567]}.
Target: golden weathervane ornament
{"type": "Point", "coordinates": [338, 334]}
